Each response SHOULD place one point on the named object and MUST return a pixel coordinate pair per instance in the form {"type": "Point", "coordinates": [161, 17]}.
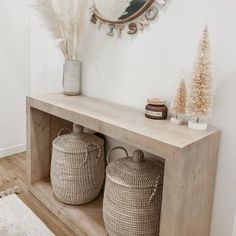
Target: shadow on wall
{"type": "Point", "coordinates": [234, 226]}
{"type": "Point", "coordinates": [224, 96]}
{"type": "Point", "coordinates": [224, 116]}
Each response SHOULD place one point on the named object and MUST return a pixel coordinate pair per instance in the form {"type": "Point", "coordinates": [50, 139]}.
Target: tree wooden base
{"type": "Point", "coordinates": [176, 121]}
{"type": "Point", "coordinates": [197, 126]}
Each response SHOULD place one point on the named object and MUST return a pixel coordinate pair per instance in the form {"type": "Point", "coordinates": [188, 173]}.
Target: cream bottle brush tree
{"type": "Point", "coordinates": [201, 94]}
{"type": "Point", "coordinates": [179, 102]}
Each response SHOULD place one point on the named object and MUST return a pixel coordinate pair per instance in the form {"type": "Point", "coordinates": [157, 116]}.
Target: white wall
{"type": "Point", "coordinates": [46, 60]}
{"type": "Point", "coordinates": [130, 70]}
{"type": "Point", "coordinates": [14, 74]}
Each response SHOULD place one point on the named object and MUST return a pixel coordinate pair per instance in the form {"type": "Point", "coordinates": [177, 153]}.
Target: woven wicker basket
{"type": "Point", "coordinates": [77, 167]}
{"type": "Point", "coordinates": [132, 198]}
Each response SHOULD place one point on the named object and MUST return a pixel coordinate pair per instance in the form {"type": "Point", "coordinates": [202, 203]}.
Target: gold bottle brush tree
{"type": "Point", "coordinates": [179, 103]}
{"type": "Point", "coordinates": [200, 99]}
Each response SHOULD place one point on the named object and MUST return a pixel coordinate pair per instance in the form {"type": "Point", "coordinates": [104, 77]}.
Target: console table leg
{"type": "Point", "coordinates": [42, 128]}
{"type": "Point", "coordinates": [188, 189]}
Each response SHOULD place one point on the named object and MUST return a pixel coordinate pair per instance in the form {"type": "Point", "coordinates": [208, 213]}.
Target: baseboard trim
{"type": "Point", "coordinates": [9, 151]}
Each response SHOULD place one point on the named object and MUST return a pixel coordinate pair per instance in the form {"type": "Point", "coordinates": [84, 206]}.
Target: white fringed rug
{"type": "Point", "coordinates": [16, 219]}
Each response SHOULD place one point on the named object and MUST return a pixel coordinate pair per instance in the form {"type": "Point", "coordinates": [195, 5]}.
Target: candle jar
{"type": "Point", "coordinates": [156, 109]}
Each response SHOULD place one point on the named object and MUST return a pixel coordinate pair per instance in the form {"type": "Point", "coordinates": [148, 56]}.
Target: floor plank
{"type": "Point", "coordinates": [13, 173]}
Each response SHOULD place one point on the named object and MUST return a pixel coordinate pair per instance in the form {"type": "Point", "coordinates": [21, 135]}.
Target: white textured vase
{"type": "Point", "coordinates": [197, 126]}
{"type": "Point", "coordinates": [72, 77]}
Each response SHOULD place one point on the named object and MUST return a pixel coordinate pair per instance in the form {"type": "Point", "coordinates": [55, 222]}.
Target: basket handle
{"type": "Point", "coordinates": [62, 130]}
{"type": "Point", "coordinates": [113, 149]}
{"type": "Point", "coordinates": [99, 151]}
{"type": "Point", "coordinates": [154, 189]}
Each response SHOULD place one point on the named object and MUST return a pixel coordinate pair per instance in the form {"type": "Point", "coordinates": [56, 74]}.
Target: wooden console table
{"type": "Point", "coordinates": [190, 160]}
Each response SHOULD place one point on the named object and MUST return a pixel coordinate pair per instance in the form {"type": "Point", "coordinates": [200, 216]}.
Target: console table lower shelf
{"type": "Point", "coordinates": [189, 158]}
{"type": "Point", "coordinates": [84, 220]}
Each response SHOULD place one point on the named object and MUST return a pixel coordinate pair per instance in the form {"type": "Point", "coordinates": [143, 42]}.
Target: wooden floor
{"type": "Point", "coordinates": [13, 173]}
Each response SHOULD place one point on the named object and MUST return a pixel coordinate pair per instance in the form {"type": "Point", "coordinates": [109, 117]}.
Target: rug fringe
{"type": "Point", "coordinates": [10, 191]}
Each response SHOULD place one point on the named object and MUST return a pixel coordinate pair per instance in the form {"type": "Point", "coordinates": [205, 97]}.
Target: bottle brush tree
{"type": "Point", "coordinates": [201, 97]}
{"type": "Point", "coordinates": [179, 101]}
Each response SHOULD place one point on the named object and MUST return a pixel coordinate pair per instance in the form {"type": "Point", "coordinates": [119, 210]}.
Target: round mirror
{"type": "Point", "coordinates": [131, 16]}
{"type": "Point", "coordinates": [120, 11]}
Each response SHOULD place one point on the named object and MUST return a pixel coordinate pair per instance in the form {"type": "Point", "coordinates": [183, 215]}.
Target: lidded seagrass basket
{"type": "Point", "coordinates": [132, 197]}
{"type": "Point", "coordinates": [77, 167]}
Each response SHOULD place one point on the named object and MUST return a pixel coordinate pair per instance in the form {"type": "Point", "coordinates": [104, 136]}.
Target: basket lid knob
{"type": "Point", "coordinates": [78, 129]}
{"type": "Point", "coordinates": [138, 156]}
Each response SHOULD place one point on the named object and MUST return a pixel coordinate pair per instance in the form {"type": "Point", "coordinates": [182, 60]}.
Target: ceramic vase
{"type": "Point", "coordinates": [72, 77]}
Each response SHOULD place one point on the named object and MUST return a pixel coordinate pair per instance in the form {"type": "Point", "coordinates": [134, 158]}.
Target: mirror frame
{"type": "Point", "coordinates": [137, 14]}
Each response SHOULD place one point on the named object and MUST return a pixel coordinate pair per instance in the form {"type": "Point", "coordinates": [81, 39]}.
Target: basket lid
{"type": "Point", "coordinates": [135, 171]}
{"type": "Point", "coordinates": [78, 141]}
